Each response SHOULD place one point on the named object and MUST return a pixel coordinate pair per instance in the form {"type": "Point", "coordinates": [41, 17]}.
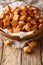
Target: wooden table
{"type": "Point", "coordinates": [12, 56]}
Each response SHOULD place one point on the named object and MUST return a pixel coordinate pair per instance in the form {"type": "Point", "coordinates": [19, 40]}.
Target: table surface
{"type": "Point", "coordinates": [12, 56]}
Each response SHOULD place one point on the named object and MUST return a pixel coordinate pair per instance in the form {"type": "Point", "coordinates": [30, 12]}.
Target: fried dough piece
{"type": "Point", "coordinates": [7, 18]}
{"type": "Point", "coordinates": [33, 22]}
{"type": "Point", "coordinates": [16, 9]}
{"type": "Point", "coordinates": [11, 15]}
{"type": "Point", "coordinates": [7, 42]}
{"type": "Point", "coordinates": [23, 17]}
{"type": "Point", "coordinates": [34, 27]}
{"type": "Point", "coordinates": [21, 22]}
{"type": "Point", "coordinates": [27, 28]}
{"type": "Point", "coordinates": [16, 30]}
{"type": "Point", "coordinates": [23, 13]}
{"type": "Point", "coordinates": [16, 17]}
{"type": "Point", "coordinates": [41, 20]}
{"type": "Point", "coordinates": [27, 49]}
{"type": "Point", "coordinates": [37, 16]}
{"type": "Point", "coordinates": [33, 8]}
{"type": "Point", "coordinates": [23, 28]}
{"type": "Point", "coordinates": [2, 16]}
{"type": "Point", "coordinates": [28, 19]}
{"type": "Point", "coordinates": [41, 26]}
{"type": "Point", "coordinates": [28, 7]}
{"type": "Point", "coordinates": [7, 9]}
{"type": "Point", "coordinates": [32, 44]}
{"type": "Point", "coordinates": [6, 23]}
{"type": "Point", "coordinates": [30, 13]}
{"type": "Point", "coordinates": [15, 13]}
{"type": "Point", "coordinates": [24, 8]}
{"type": "Point", "coordinates": [14, 24]}
{"type": "Point", "coordinates": [19, 26]}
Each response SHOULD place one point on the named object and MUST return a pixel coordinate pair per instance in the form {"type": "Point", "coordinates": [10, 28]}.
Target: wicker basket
{"type": "Point", "coordinates": [36, 33]}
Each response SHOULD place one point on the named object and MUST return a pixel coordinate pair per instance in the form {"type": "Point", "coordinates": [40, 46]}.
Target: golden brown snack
{"type": "Point", "coordinates": [7, 42]}
{"type": "Point", "coordinates": [22, 17]}
{"type": "Point", "coordinates": [7, 18]}
{"type": "Point", "coordinates": [24, 8]}
{"type": "Point", "coordinates": [27, 28]}
{"type": "Point", "coordinates": [33, 22]}
{"type": "Point", "coordinates": [21, 23]}
{"type": "Point", "coordinates": [16, 30]}
{"type": "Point", "coordinates": [11, 15]}
{"type": "Point", "coordinates": [23, 28]}
{"type": "Point", "coordinates": [28, 19]}
{"type": "Point", "coordinates": [41, 20]}
{"type": "Point", "coordinates": [15, 13]}
{"type": "Point", "coordinates": [41, 26]}
{"type": "Point", "coordinates": [32, 44]}
{"type": "Point", "coordinates": [35, 27]}
{"type": "Point", "coordinates": [27, 49]}
{"type": "Point", "coordinates": [14, 24]}
{"type": "Point", "coordinates": [19, 26]}
{"type": "Point", "coordinates": [1, 16]}
{"type": "Point", "coordinates": [23, 13]}
{"type": "Point", "coordinates": [6, 23]}
{"type": "Point", "coordinates": [16, 9]}
{"type": "Point", "coordinates": [16, 17]}
{"type": "Point", "coordinates": [32, 8]}
{"type": "Point", "coordinates": [37, 16]}
{"type": "Point", "coordinates": [28, 7]}
{"type": "Point", "coordinates": [35, 11]}
{"type": "Point", "coordinates": [31, 14]}
{"type": "Point", "coordinates": [7, 9]}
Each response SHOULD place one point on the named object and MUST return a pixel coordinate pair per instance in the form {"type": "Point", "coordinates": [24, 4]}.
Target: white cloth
{"type": "Point", "coordinates": [37, 3]}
